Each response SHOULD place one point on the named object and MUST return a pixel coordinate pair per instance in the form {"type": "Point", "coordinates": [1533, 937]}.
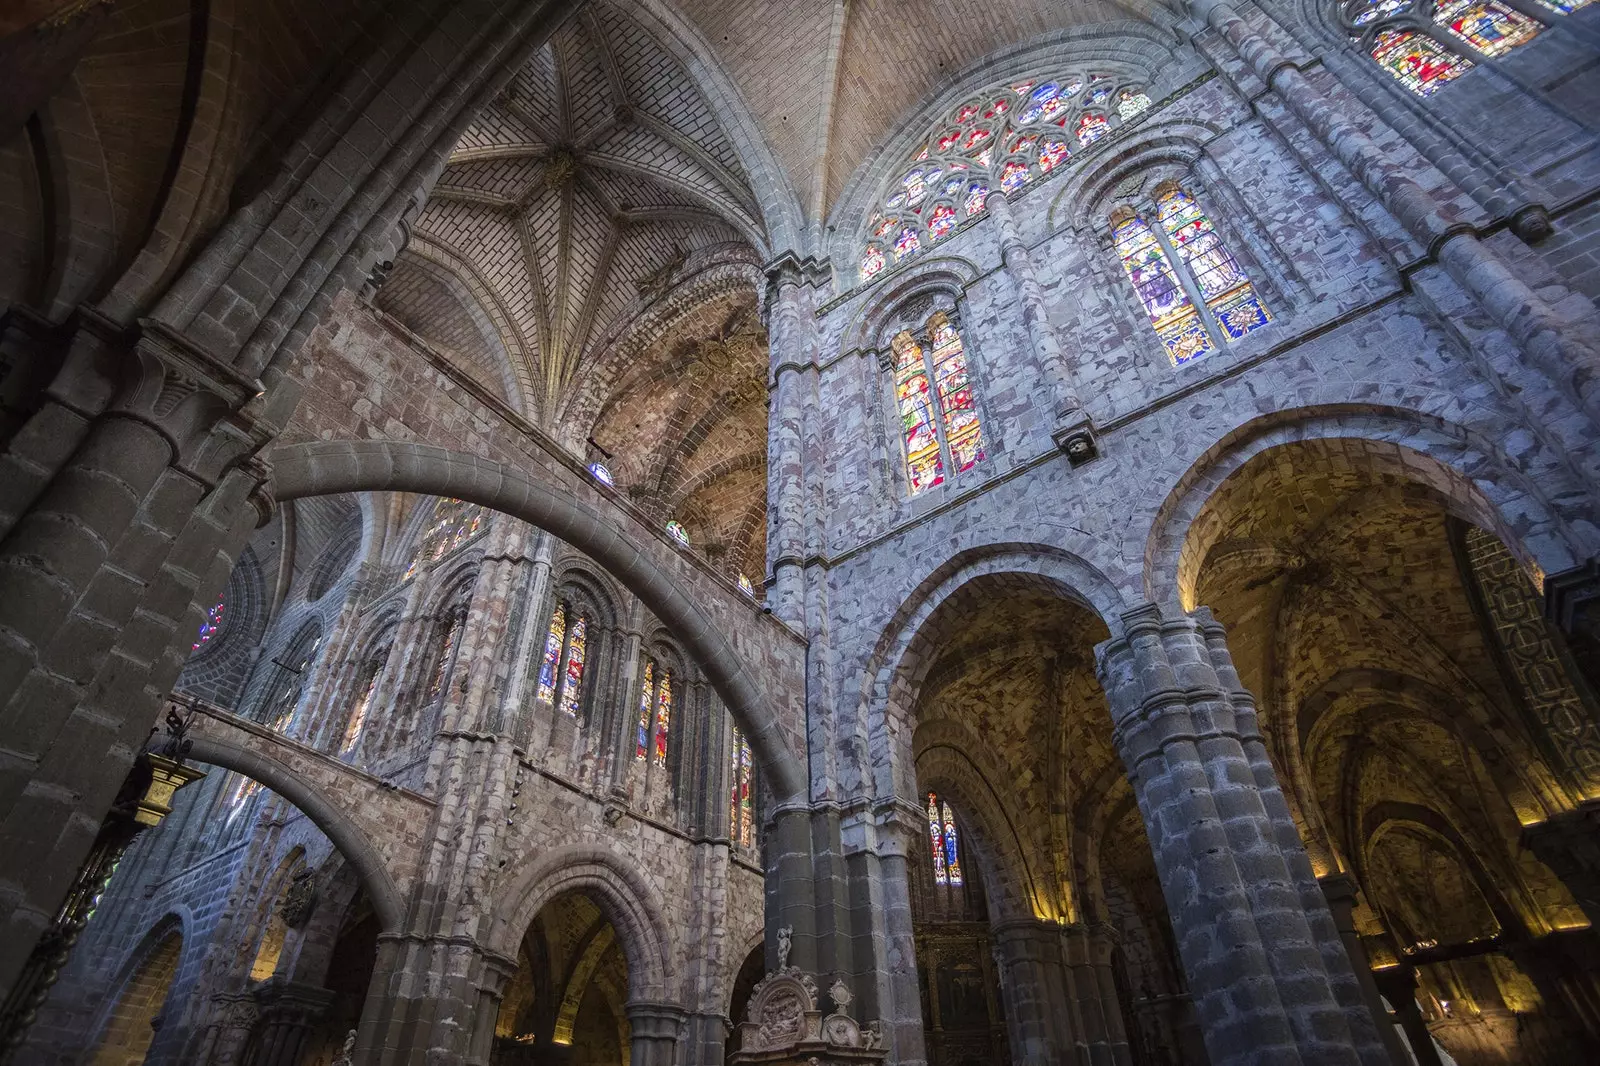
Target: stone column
{"type": "Point", "coordinates": [1086, 954]}
{"type": "Point", "coordinates": [1568, 362]}
{"type": "Point", "coordinates": [655, 1028]}
{"type": "Point", "coordinates": [1228, 888]}
{"type": "Point", "coordinates": [288, 1011]}
{"type": "Point", "coordinates": [1340, 891]}
{"type": "Point", "coordinates": [1398, 984]}
{"type": "Point", "coordinates": [535, 629]}
{"type": "Point", "coordinates": [1069, 423]}
{"type": "Point", "coordinates": [792, 340]}
{"type": "Point", "coordinates": [1039, 1017]}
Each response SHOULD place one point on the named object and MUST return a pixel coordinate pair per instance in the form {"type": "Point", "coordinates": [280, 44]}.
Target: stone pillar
{"type": "Point", "coordinates": [877, 846]}
{"type": "Point", "coordinates": [1033, 987]}
{"type": "Point", "coordinates": [1340, 892]}
{"type": "Point", "coordinates": [792, 339]}
{"type": "Point", "coordinates": [655, 1028]}
{"type": "Point", "coordinates": [1568, 362]}
{"type": "Point", "coordinates": [1227, 884]}
{"type": "Point", "coordinates": [1091, 984]}
{"type": "Point", "coordinates": [1398, 984]}
{"type": "Point", "coordinates": [705, 1037]}
{"type": "Point", "coordinates": [1569, 843]}
{"type": "Point", "coordinates": [288, 1012]}
{"type": "Point", "coordinates": [1069, 423]}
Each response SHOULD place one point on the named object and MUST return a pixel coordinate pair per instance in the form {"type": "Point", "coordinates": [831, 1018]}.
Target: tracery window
{"type": "Point", "coordinates": [943, 843]}
{"type": "Point", "coordinates": [746, 587]}
{"type": "Point", "coordinates": [452, 525]}
{"type": "Point", "coordinates": [1193, 290]}
{"type": "Point", "coordinates": [655, 713]}
{"type": "Point", "coordinates": [741, 806]}
{"type": "Point", "coordinates": [676, 531]}
{"type": "Point", "coordinates": [602, 474]}
{"type": "Point", "coordinates": [445, 657]}
{"type": "Point", "coordinates": [1004, 137]}
{"type": "Point", "coordinates": [1420, 42]}
{"type": "Point", "coordinates": [211, 625]}
{"type": "Point", "coordinates": [367, 684]}
{"type": "Point", "coordinates": [291, 669]}
{"type": "Point", "coordinates": [939, 420]}
{"type": "Point", "coordinates": [566, 650]}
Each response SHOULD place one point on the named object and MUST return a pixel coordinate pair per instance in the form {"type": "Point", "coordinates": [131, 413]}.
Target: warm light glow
{"type": "Point", "coordinates": [1568, 926]}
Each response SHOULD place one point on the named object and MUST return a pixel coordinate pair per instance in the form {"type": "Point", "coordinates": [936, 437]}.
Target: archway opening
{"type": "Point", "coordinates": [139, 1011]}
{"type": "Point", "coordinates": [751, 971]}
{"type": "Point", "coordinates": [567, 1001]}
{"type": "Point", "coordinates": [1403, 670]}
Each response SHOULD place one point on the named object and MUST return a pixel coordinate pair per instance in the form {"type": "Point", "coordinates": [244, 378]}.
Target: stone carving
{"type": "Point", "coordinates": [785, 942]}
{"type": "Point", "coordinates": [347, 1053]}
{"type": "Point", "coordinates": [298, 899]}
{"type": "Point", "coordinates": [785, 1025]}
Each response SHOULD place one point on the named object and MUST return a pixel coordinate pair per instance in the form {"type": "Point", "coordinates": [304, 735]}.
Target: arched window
{"type": "Point", "coordinates": [211, 626]}
{"type": "Point", "coordinates": [676, 531]}
{"type": "Point", "coordinates": [366, 685]}
{"type": "Point", "coordinates": [452, 525]}
{"type": "Point", "coordinates": [448, 644]}
{"type": "Point", "coordinates": [655, 713]}
{"type": "Point", "coordinates": [1193, 290]}
{"type": "Point", "coordinates": [939, 421]}
{"type": "Point", "coordinates": [741, 807]}
{"type": "Point", "coordinates": [1420, 42]}
{"type": "Point", "coordinates": [288, 672]}
{"type": "Point", "coordinates": [943, 843]}
{"type": "Point", "coordinates": [746, 587]}
{"type": "Point", "coordinates": [566, 650]}
{"type": "Point", "coordinates": [1007, 136]}
{"type": "Point", "coordinates": [602, 474]}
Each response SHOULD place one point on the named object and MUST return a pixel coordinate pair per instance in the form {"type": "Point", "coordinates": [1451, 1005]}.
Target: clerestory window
{"type": "Point", "coordinates": [565, 655]}
{"type": "Point", "coordinates": [940, 427]}
{"type": "Point", "coordinates": [655, 713]}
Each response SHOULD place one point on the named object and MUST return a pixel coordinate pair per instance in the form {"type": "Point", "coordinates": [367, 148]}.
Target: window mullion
{"type": "Point", "coordinates": [1185, 277]}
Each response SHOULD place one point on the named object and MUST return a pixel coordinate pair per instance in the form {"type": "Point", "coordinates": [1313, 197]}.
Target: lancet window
{"type": "Point", "coordinates": [741, 800]}
{"type": "Point", "coordinates": [1007, 136]}
{"type": "Point", "coordinates": [939, 422]}
{"type": "Point", "coordinates": [944, 844]}
{"type": "Point", "coordinates": [1425, 44]}
{"type": "Point", "coordinates": [366, 686]}
{"type": "Point", "coordinates": [1193, 290]}
{"type": "Point", "coordinates": [566, 654]}
{"type": "Point", "coordinates": [655, 713]}
{"type": "Point", "coordinates": [448, 644]}
{"type": "Point", "coordinates": [452, 524]}
{"type": "Point", "coordinates": [288, 672]}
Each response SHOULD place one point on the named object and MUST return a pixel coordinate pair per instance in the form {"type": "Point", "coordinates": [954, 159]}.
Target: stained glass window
{"type": "Point", "coordinates": [209, 627]}
{"type": "Point", "coordinates": [741, 805]}
{"type": "Point", "coordinates": [745, 586]}
{"type": "Point", "coordinates": [452, 525]}
{"type": "Point", "coordinates": [1565, 7]}
{"type": "Point", "coordinates": [990, 141]}
{"type": "Point", "coordinates": [1417, 60]}
{"type": "Point", "coordinates": [572, 676]}
{"type": "Point", "coordinates": [936, 840]}
{"type": "Point", "coordinates": [1488, 25]}
{"type": "Point", "coordinates": [554, 641]}
{"type": "Point", "coordinates": [1092, 127]}
{"type": "Point", "coordinates": [1131, 103]}
{"type": "Point", "coordinates": [924, 467]}
{"type": "Point", "coordinates": [1368, 11]}
{"type": "Point", "coordinates": [1223, 286]}
{"type": "Point", "coordinates": [961, 428]}
{"type": "Point", "coordinates": [447, 652]}
{"type": "Point", "coordinates": [871, 261]}
{"type": "Point", "coordinates": [601, 473]}
{"type": "Point", "coordinates": [663, 718]}
{"type": "Point", "coordinates": [646, 698]}
{"type": "Point", "coordinates": [244, 792]}
{"type": "Point", "coordinates": [363, 704]}
{"type": "Point", "coordinates": [676, 531]}
{"type": "Point", "coordinates": [1164, 300]}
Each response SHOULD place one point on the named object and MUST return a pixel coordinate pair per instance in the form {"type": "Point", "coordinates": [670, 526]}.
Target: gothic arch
{"type": "Point", "coordinates": [326, 813]}
{"type": "Point", "coordinates": [933, 275]}
{"type": "Point", "coordinates": [323, 467]}
{"type": "Point", "coordinates": [175, 925]}
{"type": "Point", "coordinates": [1178, 143]}
{"type": "Point", "coordinates": [1481, 486]}
{"type": "Point", "coordinates": [624, 896]}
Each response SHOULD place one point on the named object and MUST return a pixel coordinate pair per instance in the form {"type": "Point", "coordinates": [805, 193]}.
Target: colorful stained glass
{"type": "Point", "coordinates": [572, 676]}
{"type": "Point", "coordinates": [998, 108]}
{"type": "Point", "coordinates": [962, 430]}
{"type": "Point", "coordinates": [978, 136]}
{"type": "Point", "coordinates": [948, 140]}
{"type": "Point", "coordinates": [1417, 60]}
{"type": "Point", "coordinates": [676, 531]}
{"type": "Point", "coordinates": [452, 525]}
{"type": "Point", "coordinates": [1092, 127]}
{"type": "Point", "coordinates": [745, 586]}
{"type": "Point", "coordinates": [244, 792]}
{"type": "Point", "coordinates": [895, 201]}
{"type": "Point", "coordinates": [1021, 88]}
{"type": "Point", "coordinates": [447, 654]}
{"type": "Point", "coordinates": [1564, 7]}
{"type": "Point", "coordinates": [741, 808]}
{"type": "Point", "coordinates": [872, 261]}
{"type": "Point", "coordinates": [907, 243]}
{"type": "Point", "coordinates": [922, 154]}
{"type": "Point", "coordinates": [663, 718]}
{"type": "Point", "coordinates": [977, 198]}
{"type": "Point", "coordinates": [952, 846]}
{"type": "Point", "coordinates": [209, 627]}
{"type": "Point", "coordinates": [1099, 95]}
{"type": "Point", "coordinates": [1022, 142]}
{"type": "Point", "coordinates": [1132, 102]}
{"type": "Point", "coordinates": [554, 641]}
{"type": "Point", "coordinates": [936, 840]}
{"type": "Point", "coordinates": [883, 228]}
{"type": "Point", "coordinates": [1051, 152]}
{"type": "Point", "coordinates": [1014, 175]}
{"type": "Point", "coordinates": [1373, 10]}
{"type": "Point", "coordinates": [982, 158]}
{"type": "Point", "coordinates": [646, 701]}
{"type": "Point", "coordinates": [602, 474]}
{"type": "Point", "coordinates": [1488, 25]}
{"type": "Point", "coordinates": [952, 186]}
{"type": "Point", "coordinates": [924, 466]}
{"type": "Point", "coordinates": [1169, 308]}
{"type": "Point", "coordinates": [916, 187]}
{"type": "Point", "coordinates": [941, 221]}
{"type": "Point", "coordinates": [1222, 282]}
{"type": "Point", "coordinates": [1042, 103]}
{"type": "Point", "coordinates": [358, 713]}
{"type": "Point", "coordinates": [966, 113]}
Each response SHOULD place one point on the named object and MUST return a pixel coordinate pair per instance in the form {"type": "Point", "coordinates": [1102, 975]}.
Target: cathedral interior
{"type": "Point", "coordinates": [799, 532]}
